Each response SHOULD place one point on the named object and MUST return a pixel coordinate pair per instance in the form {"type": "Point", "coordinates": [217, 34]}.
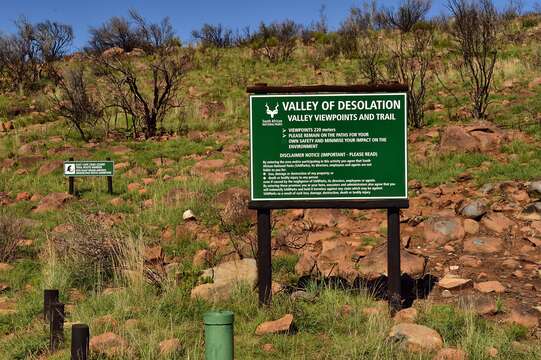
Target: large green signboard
{"type": "Point", "coordinates": [328, 146]}
{"type": "Point", "coordinates": [89, 168]}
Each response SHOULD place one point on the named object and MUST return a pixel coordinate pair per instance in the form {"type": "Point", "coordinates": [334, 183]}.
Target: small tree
{"type": "Point", "coordinates": [75, 102]}
{"type": "Point", "coordinates": [371, 57]}
{"type": "Point", "coordinates": [276, 41]}
{"type": "Point", "coordinates": [214, 36]}
{"type": "Point", "coordinates": [146, 90]}
{"type": "Point", "coordinates": [408, 14]}
{"type": "Point", "coordinates": [410, 65]}
{"type": "Point", "coordinates": [53, 40]}
{"type": "Point", "coordinates": [475, 32]}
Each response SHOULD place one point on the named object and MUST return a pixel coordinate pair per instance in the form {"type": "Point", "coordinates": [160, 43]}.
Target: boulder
{"type": "Point", "coordinates": [336, 260]}
{"type": "Point", "coordinates": [450, 282]}
{"type": "Point", "coordinates": [374, 264]}
{"type": "Point", "coordinates": [524, 316]}
{"type": "Point", "coordinates": [225, 277]}
{"type": "Point", "coordinates": [53, 201]}
{"type": "Point", "coordinates": [441, 230]}
{"type": "Point", "coordinates": [457, 139]}
{"type": "Point", "coordinates": [473, 209]}
{"type": "Point", "coordinates": [280, 326]}
{"type": "Point", "coordinates": [204, 166]}
{"type": "Point", "coordinates": [489, 286]}
{"type": "Point", "coordinates": [169, 347]}
{"type": "Point", "coordinates": [532, 211]}
{"type": "Point", "coordinates": [320, 218]}
{"type": "Point", "coordinates": [451, 354]}
{"type": "Point", "coordinates": [408, 315]}
{"type": "Point", "coordinates": [534, 190]}
{"type": "Point", "coordinates": [49, 167]}
{"type": "Point", "coordinates": [416, 338]}
{"type": "Point", "coordinates": [471, 227]}
{"type": "Point", "coordinates": [109, 344]}
{"type": "Point", "coordinates": [496, 222]}
{"type": "Point", "coordinates": [483, 245]}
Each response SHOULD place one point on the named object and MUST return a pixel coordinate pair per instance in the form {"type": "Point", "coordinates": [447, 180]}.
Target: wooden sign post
{"type": "Point", "coordinates": [342, 147]}
{"type": "Point", "coordinates": [74, 169]}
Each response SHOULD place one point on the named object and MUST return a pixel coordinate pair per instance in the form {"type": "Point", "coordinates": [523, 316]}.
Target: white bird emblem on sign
{"type": "Point", "coordinates": [270, 112]}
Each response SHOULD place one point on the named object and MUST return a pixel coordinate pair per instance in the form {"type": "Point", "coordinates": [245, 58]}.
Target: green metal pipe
{"type": "Point", "coordinates": [219, 335]}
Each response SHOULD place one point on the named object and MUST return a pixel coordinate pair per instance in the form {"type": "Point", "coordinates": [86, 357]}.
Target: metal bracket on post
{"type": "Point", "coordinates": [264, 256]}
{"type": "Point", "coordinates": [393, 259]}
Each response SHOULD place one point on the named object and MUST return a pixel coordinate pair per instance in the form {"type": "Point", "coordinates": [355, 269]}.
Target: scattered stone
{"type": "Point", "coordinates": [489, 286]}
{"type": "Point", "coordinates": [453, 282]}
{"type": "Point", "coordinates": [524, 316]}
{"type": "Point", "coordinates": [23, 196]}
{"type": "Point", "coordinates": [471, 227]}
{"type": "Point", "coordinates": [492, 352]}
{"type": "Point", "coordinates": [225, 277]}
{"type": "Point", "coordinates": [483, 245]}
{"type": "Point", "coordinates": [457, 139]}
{"type": "Point", "coordinates": [532, 211]}
{"type": "Point", "coordinates": [49, 167]}
{"type": "Point", "coordinates": [534, 190]}
{"type": "Point", "coordinates": [511, 264]}
{"type": "Point", "coordinates": [153, 254]}
{"type": "Point", "coordinates": [446, 294]}
{"type": "Point", "coordinates": [188, 215]}
{"type": "Point", "coordinates": [267, 347]}
{"type": "Point", "coordinates": [320, 218]}
{"type": "Point", "coordinates": [441, 230]}
{"type": "Point", "coordinates": [496, 222]}
{"type": "Point", "coordinates": [117, 201]}
{"type": "Point", "coordinates": [134, 186]}
{"type": "Point", "coordinates": [474, 209]}
{"type": "Point", "coordinates": [301, 295]}
{"type": "Point", "coordinates": [169, 347]}
{"type": "Point", "coordinates": [451, 354]}
{"type": "Point", "coordinates": [109, 344]}
{"type": "Point", "coordinates": [469, 261]}
{"type": "Point", "coordinates": [408, 315]}
{"type": "Point", "coordinates": [5, 267]}
{"type": "Point", "coordinates": [481, 304]}
{"type": "Point", "coordinates": [416, 338]}
{"type": "Point", "coordinates": [201, 257]}
{"type": "Point", "coordinates": [53, 201]}
{"type": "Point", "coordinates": [282, 325]}
{"type": "Point", "coordinates": [106, 321]}
{"type": "Point", "coordinates": [374, 264]}
{"type": "Point", "coordinates": [132, 324]}
{"type": "Point", "coordinates": [4, 287]}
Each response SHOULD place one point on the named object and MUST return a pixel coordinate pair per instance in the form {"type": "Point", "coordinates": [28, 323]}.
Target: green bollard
{"type": "Point", "coordinates": [219, 335]}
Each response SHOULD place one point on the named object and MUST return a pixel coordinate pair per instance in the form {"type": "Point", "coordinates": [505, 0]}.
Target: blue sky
{"type": "Point", "coordinates": [185, 15]}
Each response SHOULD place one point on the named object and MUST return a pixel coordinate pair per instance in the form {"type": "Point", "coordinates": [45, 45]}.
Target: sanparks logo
{"type": "Point", "coordinates": [270, 112]}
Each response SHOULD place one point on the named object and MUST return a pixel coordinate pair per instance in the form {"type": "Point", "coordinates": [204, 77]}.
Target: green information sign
{"type": "Point", "coordinates": [328, 146]}
{"type": "Point", "coordinates": [89, 168]}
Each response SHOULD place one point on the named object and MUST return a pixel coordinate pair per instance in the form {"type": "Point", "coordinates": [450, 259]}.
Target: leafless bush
{"type": "Point", "coordinates": [31, 49]}
{"type": "Point", "coordinates": [75, 102]}
{"type": "Point", "coordinates": [90, 250]}
{"type": "Point", "coordinates": [407, 15]}
{"type": "Point", "coordinates": [359, 21]}
{"type": "Point", "coordinates": [277, 41]}
{"type": "Point", "coordinates": [214, 36]}
{"type": "Point", "coordinates": [236, 224]}
{"type": "Point", "coordinates": [371, 57]}
{"type": "Point", "coordinates": [475, 32]}
{"type": "Point", "coordinates": [144, 90]}
{"type": "Point", "coordinates": [131, 33]}
{"type": "Point", "coordinates": [11, 231]}
{"type": "Point", "coordinates": [410, 64]}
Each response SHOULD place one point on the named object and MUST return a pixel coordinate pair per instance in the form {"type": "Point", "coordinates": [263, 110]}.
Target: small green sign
{"type": "Point", "coordinates": [328, 146]}
{"type": "Point", "coordinates": [89, 168]}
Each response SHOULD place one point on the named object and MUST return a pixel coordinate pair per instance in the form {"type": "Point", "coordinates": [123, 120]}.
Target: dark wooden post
{"type": "Point", "coordinates": [393, 259]}
{"type": "Point", "coordinates": [80, 335]}
{"type": "Point", "coordinates": [50, 296]}
{"type": "Point", "coordinates": [109, 182]}
{"type": "Point", "coordinates": [264, 256]}
{"type": "Point", "coordinates": [71, 181]}
{"type": "Point", "coordinates": [56, 326]}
